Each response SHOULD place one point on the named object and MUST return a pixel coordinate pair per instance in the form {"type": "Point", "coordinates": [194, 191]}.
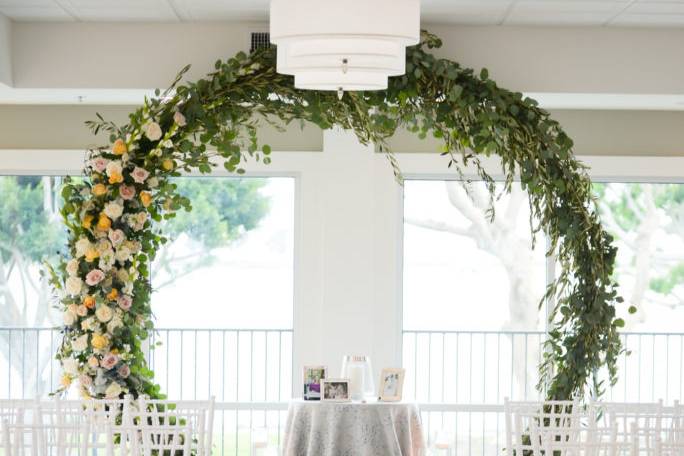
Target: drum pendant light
{"type": "Point", "coordinates": [343, 45]}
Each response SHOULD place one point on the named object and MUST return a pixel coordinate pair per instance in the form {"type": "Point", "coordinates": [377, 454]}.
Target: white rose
{"type": "Point", "coordinates": [70, 366]}
{"type": "Point", "coordinates": [113, 210]}
{"type": "Point", "coordinates": [113, 391]}
{"type": "Point", "coordinates": [72, 267]}
{"type": "Point", "coordinates": [114, 167]}
{"type": "Point", "coordinates": [128, 288]}
{"type": "Point", "coordinates": [153, 182]}
{"type": "Point", "coordinates": [88, 324]}
{"type": "Point", "coordinates": [80, 343]}
{"type": "Point", "coordinates": [114, 324]}
{"type": "Point", "coordinates": [103, 313]}
{"type": "Point", "coordinates": [179, 119]}
{"type": "Point", "coordinates": [116, 236]}
{"type": "Point", "coordinates": [122, 275]}
{"type": "Point", "coordinates": [69, 317]}
{"type": "Point", "coordinates": [74, 285]}
{"type": "Point", "coordinates": [106, 260]}
{"type": "Point", "coordinates": [123, 254]}
{"type": "Point", "coordinates": [103, 245]}
{"type": "Point", "coordinates": [153, 131]}
{"type": "Point", "coordinates": [82, 246]}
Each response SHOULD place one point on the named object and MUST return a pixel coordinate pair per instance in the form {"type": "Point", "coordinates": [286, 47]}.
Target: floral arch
{"type": "Point", "coordinates": [111, 214]}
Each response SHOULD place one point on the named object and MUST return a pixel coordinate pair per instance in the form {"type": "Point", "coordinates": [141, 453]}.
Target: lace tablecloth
{"type": "Point", "coordinates": [316, 428]}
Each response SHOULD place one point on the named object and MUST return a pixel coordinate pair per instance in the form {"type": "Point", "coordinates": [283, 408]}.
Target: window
{"type": "Point", "coordinates": [30, 232]}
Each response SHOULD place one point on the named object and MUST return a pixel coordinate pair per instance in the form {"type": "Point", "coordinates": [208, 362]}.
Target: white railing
{"type": "Point", "coordinates": [459, 378]}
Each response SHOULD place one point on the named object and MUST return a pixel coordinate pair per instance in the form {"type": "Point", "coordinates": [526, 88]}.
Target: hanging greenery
{"type": "Point", "coordinates": [111, 214]}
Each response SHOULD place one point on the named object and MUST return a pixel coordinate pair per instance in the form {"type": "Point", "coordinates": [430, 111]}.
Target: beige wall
{"type": "Point", "coordinates": [595, 132]}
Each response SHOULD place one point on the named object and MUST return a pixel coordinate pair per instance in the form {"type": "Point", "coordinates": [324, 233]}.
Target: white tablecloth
{"type": "Point", "coordinates": [316, 428]}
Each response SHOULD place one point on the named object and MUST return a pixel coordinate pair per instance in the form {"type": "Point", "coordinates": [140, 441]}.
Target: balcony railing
{"type": "Point", "coordinates": [459, 378]}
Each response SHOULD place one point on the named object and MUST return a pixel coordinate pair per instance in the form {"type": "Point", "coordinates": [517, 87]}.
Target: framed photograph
{"type": "Point", "coordinates": [336, 390]}
{"type": "Point", "coordinates": [391, 384]}
{"type": "Point", "coordinates": [313, 376]}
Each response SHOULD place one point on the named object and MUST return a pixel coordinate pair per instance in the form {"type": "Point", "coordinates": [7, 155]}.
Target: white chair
{"type": "Point", "coordinates": [520, 417]}
{"type": "Point", "coordinates": [49, 440]}
{"type": "Point", "coordinates": [199, 415]}
{"type": "Point", "coordinates": [572, 440]}
{"type": "Point", "coordinates": [17, 411]}
{"type": "Point", "coordinates": [173, 440]}
{"type": "Point", "coordinates": [624, 416]}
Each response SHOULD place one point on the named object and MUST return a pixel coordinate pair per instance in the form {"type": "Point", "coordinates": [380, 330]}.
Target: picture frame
{"type": "Point", "coordinates": [311, 378]}
{"type": "Point", "coordinates": [391, 384]}
{"type": "Point", "coordinates": [335, 390]}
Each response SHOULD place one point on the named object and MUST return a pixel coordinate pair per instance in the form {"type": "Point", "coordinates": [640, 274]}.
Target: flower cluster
{"type": "Point", "coordinates": [103, 282]}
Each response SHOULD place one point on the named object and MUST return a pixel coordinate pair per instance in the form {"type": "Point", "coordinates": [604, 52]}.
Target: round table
{"type": "Point", "coordinates": [322, 428]}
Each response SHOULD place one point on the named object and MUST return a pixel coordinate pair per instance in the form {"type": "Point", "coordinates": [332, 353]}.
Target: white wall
{"type": "Point", "coordinates": [348, 259]}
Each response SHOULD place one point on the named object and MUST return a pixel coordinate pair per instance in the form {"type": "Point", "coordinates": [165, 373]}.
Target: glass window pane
{"type": "Point", "coordinates": [647, 221]}
{"type": "Point", "coordinates": [462, 272]}
{"type": "Point", "coordinates": [230, 261]}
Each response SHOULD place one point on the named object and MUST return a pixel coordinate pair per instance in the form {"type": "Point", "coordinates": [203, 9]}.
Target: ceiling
{"type": "Point", "coordinates": [645, 13]}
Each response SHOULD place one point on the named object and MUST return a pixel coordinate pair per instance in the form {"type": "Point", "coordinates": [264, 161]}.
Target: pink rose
{"type": "Point", "coordinates": [139, 175]}
{"type": "Point", "coordinates": [109, 361]}
{"type": "Point", "coordinates": [81, 311]}
{"type": "Point", "coordinates": [116, 236]}
{"type": "Point", "coordinates": [99, 163]}
{"type": "Point", "coordinates": [124, 371]}
{"type": "Point", "coordinates": [127, 192]}
{"type": "Point", "coordinates": [94, 277]}
{"type": "Point", "coordinates": [125, 302]}
{"type": "Point", "coordinates": [85, 380]}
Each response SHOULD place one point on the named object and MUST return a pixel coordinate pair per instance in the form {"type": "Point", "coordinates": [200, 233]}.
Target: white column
{"type": "Point", "coordinates": [5, 52]}
{"type": "Point", "coordinates": [348, 271]}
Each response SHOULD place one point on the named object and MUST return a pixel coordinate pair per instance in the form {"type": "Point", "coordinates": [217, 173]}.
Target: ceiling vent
{"type": "Point", "coordinates": [259, 40]}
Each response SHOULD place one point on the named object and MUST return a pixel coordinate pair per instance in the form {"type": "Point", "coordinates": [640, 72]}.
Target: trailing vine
{"type": "Point", "coordinates": [112, 213]}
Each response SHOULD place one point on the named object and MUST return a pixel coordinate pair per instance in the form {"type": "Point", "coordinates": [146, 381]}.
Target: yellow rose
{"type": "Point", "coordinates": [91, 254]}
{"type": "Point", "coordinates": [168, 164]}
{"type": "Point", "coordinates": [103, 223]}
{"type": "Point", "coordinates": [145, 198]}
{"type": "Point", "coordinates": [113, 294]}
{"type": "Point", "coordinates": [87, 221]}
{"type": "Point", "coordinates": [119, 147]}
{"type": "Point", "coordinates": [115, 178]}
{"type": "Point", "coordinates": [99, 189]}
{"type": "Point", "coordinates": [89, 302]}
{"type": "Point", "coordinates": [66, 381]}
{"type": "Point", "coordinates": [98, 341]}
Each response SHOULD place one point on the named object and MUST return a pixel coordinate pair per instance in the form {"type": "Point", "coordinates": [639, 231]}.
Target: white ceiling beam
{"type": "Point", "coordinates": [5, 52]}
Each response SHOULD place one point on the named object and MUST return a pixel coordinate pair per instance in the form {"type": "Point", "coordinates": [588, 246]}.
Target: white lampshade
{"type": "Point", "coordinates": [343, 45]}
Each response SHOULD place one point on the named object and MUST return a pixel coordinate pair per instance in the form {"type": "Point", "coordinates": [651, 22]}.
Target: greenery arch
{"type": "Point", "coordinates": [111, 214]}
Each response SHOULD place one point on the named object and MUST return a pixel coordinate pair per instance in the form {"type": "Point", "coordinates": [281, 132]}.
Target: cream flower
{"type": "Point", "coordinates": [179, 119]}
{"type": "Point", "coordinates": [82, 246]}
{"type": "Point", "coordinates": [113, 168]}
{"type": "Point", "coordinates": [113, 391]}
{"type": "Point", "coordinates": [93, 362]}
{"type": "Point", "coordinates": [103, 313]}
{"type": "Point", "coordinates": [139, 175]}
{"type": "Point", "coordinates": [94, 277]}
{"type": "Point", "coordinates": [70, 366]}
{"type": "Point", "coordinates": [122, 275]}
{"type": "Point", "coordinates": [106, 260]}
{"type": "Point", "coordinates": [74, 285]}
{"type": "Point", "coordinates": [116, 237]}
{"type": "Point", "coordinates": [72, 267]}
{"type": "Point", "coordinates": [113, 210]}
{"type": "Point", "coordinates": [69, 317]}
{"type": "Point", "coordinates": [123, 254]}
{"type": "Point", "coordinates": [153, 131]}
{"type": "Point", "coordinates": [89, 324]}
{"type": "Point", "coordinates": [153, 182]}
{"type": "Point", "coordinates": [114, 324]}
{"type": "Point", "coordinates": [80, 343]}
{"type": "Point", "coordinates": [81, 311]}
